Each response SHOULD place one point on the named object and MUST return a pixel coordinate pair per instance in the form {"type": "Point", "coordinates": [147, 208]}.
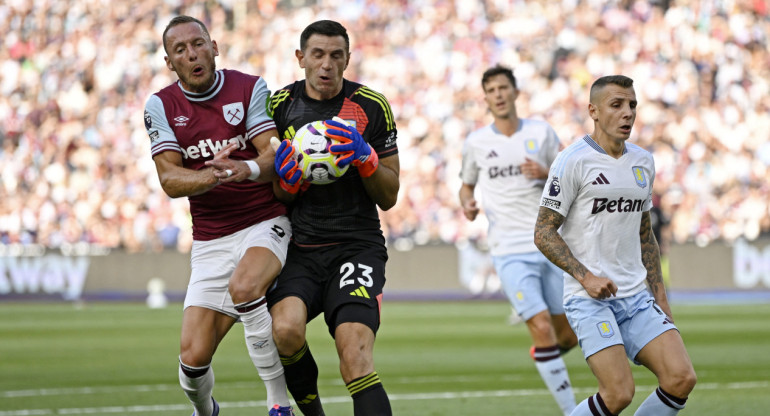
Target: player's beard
{"type": "Point", "coordinates": [200, 85]}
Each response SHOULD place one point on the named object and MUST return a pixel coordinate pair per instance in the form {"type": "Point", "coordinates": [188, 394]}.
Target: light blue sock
{"type": "Point", "coordinates": [592, 406]}
{"type": "Point", "coordinates": [660, 403]}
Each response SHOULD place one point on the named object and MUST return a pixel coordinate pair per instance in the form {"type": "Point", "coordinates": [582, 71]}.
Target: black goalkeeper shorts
{"type": "Point", "coordinates": [344, 281]}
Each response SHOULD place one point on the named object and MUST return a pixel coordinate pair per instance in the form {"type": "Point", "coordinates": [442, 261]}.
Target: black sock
{"type": "Point", "coordinates": [301, 374]}
{"type": "Point", "coordinates": [369, 397]}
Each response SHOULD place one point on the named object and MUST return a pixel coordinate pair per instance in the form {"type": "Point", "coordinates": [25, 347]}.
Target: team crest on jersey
{"type": "Point", "coordinates": [554, 188]}
{"type": "Point", "coordinates": [233, 113]}
{"type": "Point", "coordinates": [641, 180]}
{"type": "Point", "coordinates": [531, 145]}
{"type": "Point", "coordinates": [605, 329]}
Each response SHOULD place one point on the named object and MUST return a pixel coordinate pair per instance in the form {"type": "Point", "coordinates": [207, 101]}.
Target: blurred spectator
{"type": "Point", "coordinates": [74, 75]}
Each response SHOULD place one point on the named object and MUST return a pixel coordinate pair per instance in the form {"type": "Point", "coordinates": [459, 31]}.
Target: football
{"type": "Point", "coordinates": [313, 156]}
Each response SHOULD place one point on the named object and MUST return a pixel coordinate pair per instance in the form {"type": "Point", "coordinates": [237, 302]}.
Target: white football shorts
{"type": "Point", "coordinates": [214, 261]}
{"type": "Point", "coordinates": [531, 282]}
{"type": "Point", "coordinates": [632, 322]}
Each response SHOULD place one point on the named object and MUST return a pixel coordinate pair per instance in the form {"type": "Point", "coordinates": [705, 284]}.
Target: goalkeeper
{"type": "Point", "coordinates": [336, 260]}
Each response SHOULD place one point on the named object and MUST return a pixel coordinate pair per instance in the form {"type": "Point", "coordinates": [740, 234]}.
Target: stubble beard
{"type": "Point", "coordinates": [204, 84]}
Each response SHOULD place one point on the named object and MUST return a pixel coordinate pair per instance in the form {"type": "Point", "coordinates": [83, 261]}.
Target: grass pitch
{"type": "Point", "coordinates": [434, 358]}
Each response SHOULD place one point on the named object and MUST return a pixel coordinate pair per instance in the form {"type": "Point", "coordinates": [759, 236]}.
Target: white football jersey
{"type": "Point", "coordinates": [602, 200]}
{"type": "Point", "coordinates": [492, 161]}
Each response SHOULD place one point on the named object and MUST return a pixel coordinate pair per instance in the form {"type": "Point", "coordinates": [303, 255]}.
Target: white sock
{"type": "Point", "coordinates": [198, 388]}
{"type": "Point", "coordinates": [258, 330]}
{"type": "Point", "coordinates": [553, 371]}
{"type": "Point", "coordinates": [660, 403]}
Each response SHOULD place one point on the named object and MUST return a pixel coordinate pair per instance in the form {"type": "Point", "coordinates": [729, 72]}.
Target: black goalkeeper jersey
{"type": "Point", "coordinates": [341, 211]}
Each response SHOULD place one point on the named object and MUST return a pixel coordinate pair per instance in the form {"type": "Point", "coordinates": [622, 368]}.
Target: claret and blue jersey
{"type": "Point", "coordinates": [198, 125]}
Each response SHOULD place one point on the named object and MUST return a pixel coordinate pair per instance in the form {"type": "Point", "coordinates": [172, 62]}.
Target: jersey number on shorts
{"type": "Point", "coordinates": [348, 269]}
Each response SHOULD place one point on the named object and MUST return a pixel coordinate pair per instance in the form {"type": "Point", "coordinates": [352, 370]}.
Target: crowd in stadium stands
{"type": "Point", "coordinates": [74, 76]}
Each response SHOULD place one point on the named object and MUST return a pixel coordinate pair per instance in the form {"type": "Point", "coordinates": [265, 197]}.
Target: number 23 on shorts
{"type": "Point", "coordinates": [359, 274]}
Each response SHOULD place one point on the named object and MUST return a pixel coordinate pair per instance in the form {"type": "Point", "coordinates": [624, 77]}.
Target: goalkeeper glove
{"type": "Point", "coordinates": [287, 168]}
{"type": "Point", "coordinates": [352, 147]}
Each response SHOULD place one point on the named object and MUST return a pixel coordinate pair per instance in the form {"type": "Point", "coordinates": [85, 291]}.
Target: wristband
{"type": "Point", "coordinates": [368, 168]}
{"type": "Point", "coordinates": [254, 168]}
{"type": "Point", "coordinates": [292, 189]}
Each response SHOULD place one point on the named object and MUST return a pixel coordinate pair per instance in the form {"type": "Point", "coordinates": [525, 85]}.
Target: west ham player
{"type": "Point", "coordinates": [210, 136]}
{"type": "Point", "coordinates": [599, 193]}
{"type": "Point", "coordinates": [336, 261]}
{"type": "Point", "coordinates": [508, 160]}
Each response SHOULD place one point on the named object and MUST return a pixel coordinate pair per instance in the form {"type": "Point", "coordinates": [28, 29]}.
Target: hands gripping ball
{"type": "Point", "coordinates": [317, 164]}
{"type": "Point", "coordinates": [352, 148]}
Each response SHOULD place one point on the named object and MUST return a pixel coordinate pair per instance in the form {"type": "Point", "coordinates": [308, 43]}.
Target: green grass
{"type": "Point", "coordinates": [434, 358]}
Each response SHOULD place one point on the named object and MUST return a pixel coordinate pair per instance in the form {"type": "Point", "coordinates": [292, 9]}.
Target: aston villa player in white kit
{"type": "Point", "coordinates": [508, 162]}
{"type": "Point", "coordinates": [210, 137]}
{"type": "Point", "coordinates": [599, 193]}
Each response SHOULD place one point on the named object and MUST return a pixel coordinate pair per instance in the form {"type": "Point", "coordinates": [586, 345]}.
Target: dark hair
{"type": "Point", "coordinates": [619, 80]}
{"type": "Point", "coordinates": [498, 70]}
{"type": "Point", "coordinates": [180, 20]}
{"type": "Point", "coordinates": [326, 28]}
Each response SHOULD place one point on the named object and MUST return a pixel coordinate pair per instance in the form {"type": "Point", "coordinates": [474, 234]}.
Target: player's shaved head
{"type": "Point", "coordinates": [181, 20]}
{"type": "Point", "coordinates": [599, 84]}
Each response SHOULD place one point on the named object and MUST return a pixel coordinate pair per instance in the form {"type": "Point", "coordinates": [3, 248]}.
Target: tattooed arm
{"type": "Point", "coordinates": [552, 245]}
{"type": "Point", "coordinates": [651, 261]}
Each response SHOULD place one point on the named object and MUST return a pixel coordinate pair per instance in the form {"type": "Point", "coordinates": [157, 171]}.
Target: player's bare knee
{"type": "Point", "coordinates": [541, 330]}
{"type": "Point", "coordinates": [288, 338]}
{"type": "Point", "coordinates": [353, 353]}
{"type": "Point", "coordinates": [242, 290]}
{"type": "Point", "coordinates": [617, 406]}
{"type": "Point", "coordinates": [680, 384]}
{"type": "Point", "coordinates": [193, 357]}
{"type": "Point", "coordinates": [618, 397]}
{"type": "Point", "coordinates": [355, 364]}
{"type": "Point", "coordinates": [691, 380]}
{"type": "Point", "coordinates": [355, 360]}
{"type": "Point", "coordinates": [285, 329]}
{"type": "Point", "coordinates": [616, 403]}
{"type": "Point", "coordinates": [565, 336]}
{"type": "Point", "coordinates": [567, 341]}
